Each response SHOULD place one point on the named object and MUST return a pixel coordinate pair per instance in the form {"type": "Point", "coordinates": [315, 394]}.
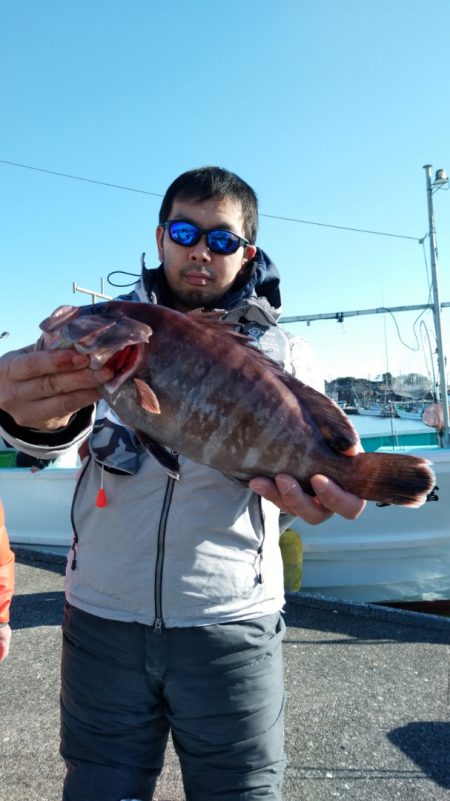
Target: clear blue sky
{"type": "Point", "coordinates": [329, 109]}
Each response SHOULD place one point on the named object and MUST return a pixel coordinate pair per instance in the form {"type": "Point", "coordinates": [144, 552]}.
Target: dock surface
{"type": "Point", "coordinates": [367, 716]}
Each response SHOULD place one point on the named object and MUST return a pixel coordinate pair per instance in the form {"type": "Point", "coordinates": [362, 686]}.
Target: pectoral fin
{"type": "Point", "coordinates": [146, 397]}
{"type": "Point", "coordinates": [165, 457]}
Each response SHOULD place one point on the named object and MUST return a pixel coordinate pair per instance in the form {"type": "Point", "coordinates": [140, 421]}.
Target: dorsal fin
{"type": "Point", "coordinates": [333, 423]}
{"type": "Point", "coordinates": [227, 328]}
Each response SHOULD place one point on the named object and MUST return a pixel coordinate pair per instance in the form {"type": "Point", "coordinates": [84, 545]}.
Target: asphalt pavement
{"type": "Point", "coordinates": [367, 699]}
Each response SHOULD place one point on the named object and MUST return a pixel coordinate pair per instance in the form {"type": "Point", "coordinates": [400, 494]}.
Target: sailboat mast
{"type": "Point", "coordinates": [437, 306]}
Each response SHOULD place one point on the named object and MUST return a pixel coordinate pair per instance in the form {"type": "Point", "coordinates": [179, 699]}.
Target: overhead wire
{"type": "Point", "coordinates": [158, 194]}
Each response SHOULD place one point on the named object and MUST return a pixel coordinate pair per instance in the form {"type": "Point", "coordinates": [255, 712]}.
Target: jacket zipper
{"type": "Point", "coordinates": [160, 552]}
{"type": "Point", "coordinates": [261, 547]}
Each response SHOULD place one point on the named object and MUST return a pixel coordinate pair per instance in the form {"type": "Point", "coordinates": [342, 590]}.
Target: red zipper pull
{"type": "Point", "coordinates": [101, 500]}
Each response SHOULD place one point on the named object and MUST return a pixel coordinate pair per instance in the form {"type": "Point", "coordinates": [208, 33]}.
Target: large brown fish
{"type": "Point", "coordinates": [191, 383]}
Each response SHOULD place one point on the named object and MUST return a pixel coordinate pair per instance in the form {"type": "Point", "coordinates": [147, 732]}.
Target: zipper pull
{"type": "Point", "coordinates": [101, 500]}
{"type": "Point", "coordinates": [158, 625]}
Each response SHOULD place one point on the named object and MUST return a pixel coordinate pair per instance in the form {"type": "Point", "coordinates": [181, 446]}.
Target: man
{"type": "Point", "coordinates": [174, 588]}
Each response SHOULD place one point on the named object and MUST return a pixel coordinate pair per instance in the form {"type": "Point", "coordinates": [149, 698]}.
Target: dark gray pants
{"type": "Point", "coordinates": [218, 689]}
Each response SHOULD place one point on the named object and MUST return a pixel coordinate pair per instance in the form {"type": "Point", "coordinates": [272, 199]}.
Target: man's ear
{"type": "Point", "coordinates": [250, 252]}
{"type": "Point", "coordinates": [160, 242]}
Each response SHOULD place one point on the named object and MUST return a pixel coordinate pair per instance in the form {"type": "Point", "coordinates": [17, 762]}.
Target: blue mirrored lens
{"type": "Point", "coordinates": [222, 241]}
{"type": "Point", "coordinates": [184, 233]}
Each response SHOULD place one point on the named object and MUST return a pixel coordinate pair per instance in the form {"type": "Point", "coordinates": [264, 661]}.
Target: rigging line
{"type": "Point", "coordinates": [158, 194]}
{"type": "Point", "coordinates": [79, 178]}
{"type": "Point", "coordinates": [341, 227]}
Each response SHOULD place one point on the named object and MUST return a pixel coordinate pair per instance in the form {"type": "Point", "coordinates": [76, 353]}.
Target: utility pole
{"type": "Point", "coordinates": [440, 180]}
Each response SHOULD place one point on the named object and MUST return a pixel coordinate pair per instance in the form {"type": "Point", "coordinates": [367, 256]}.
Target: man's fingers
{"type": "Point", "coordinates": [286, 493]}
{"type": "Point", "coordinates": [51, 413]}
{"type": "Point", "coordinates": [25, 365]}
{"type": "Point", "coordinates": [35, 376]}
{"type": "Point", "coordinates": [336, 499]}
{"type": "Point", "coordinates": [42, 389]}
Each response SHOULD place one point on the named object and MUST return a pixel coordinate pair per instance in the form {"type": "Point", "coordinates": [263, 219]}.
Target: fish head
{"type": "Point", "coordinates": [105, 333]}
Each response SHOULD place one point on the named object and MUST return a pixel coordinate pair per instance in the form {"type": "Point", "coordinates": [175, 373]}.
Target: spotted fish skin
{"type": "Point", "coordinates": [189, 382]}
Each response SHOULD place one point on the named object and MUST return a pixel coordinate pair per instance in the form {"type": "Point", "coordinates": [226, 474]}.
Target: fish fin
{"type": "Point", "coordinates": [214, 319]}
{"type": "Point", "coordinates": [57, 318]}
{"type": "Point", "coordinates": [162, 455]}
{"type": "Point", "coordinates": [333, 423]}
{"type": "Point", "coordinates": [146, 397]}
{"type": "Point", "coordinates": [401, 479]}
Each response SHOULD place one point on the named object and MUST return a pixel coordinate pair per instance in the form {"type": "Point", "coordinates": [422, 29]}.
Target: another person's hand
{"type": "Point", "coordinates": [42, 389]}
{"type": "Point", "coordinates": [286, 493]}
{"type": "Point", "coordinates": [5, 639]}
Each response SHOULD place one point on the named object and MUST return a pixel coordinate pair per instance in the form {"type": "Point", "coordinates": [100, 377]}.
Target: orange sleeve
{"type": "Point", "coordinates": [6, 570]}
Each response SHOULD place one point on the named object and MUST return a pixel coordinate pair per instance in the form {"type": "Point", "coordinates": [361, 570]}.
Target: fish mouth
{"type": "Point", "coordinates": [124, 363]}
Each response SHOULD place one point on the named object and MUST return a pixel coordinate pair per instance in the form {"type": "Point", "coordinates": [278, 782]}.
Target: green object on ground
{"type": "Point", "coordinates": [8, 458]}
{"type": "Point", "coordinates": [292, 554]}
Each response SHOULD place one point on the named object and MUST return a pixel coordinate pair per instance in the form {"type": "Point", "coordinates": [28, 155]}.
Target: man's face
{"type": "Point", "coordinates": [197, 276]}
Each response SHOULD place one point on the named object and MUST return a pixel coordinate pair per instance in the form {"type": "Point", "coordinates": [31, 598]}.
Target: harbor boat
{"type": "Point", "coordinates": [389, 554]}
{"type": "Point", "coordinates": [349, 408]}
{"type": "Point", "coordinates": [378, 410]}
{"type": "Point", "coordinates": [37, 507]}
{"type": "Point", "coordinates": [371, 410]}
{"type": "Point", "coordinates": [392, 553]}
{"type": "Point", "coordinates": [412, 410]}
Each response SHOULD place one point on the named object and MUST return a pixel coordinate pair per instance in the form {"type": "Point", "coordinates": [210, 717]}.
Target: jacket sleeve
{"type": "Point", "coordinates": [47, 444]}
{"type": "Point", "coordinates": [6, 571]}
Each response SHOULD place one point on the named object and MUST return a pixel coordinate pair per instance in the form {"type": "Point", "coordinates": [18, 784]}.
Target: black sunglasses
{"type": "Point", "coordinates": [219, 240]}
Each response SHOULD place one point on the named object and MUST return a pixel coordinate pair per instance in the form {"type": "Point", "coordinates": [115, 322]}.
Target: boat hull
{"type": "Point", "coordinates": [37, 506]}
{"type": "Point", "coordinates": [390, 553]}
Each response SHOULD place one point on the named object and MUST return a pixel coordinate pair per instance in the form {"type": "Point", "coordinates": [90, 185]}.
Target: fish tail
{"type": "Point", "coordinates": [390, 478]}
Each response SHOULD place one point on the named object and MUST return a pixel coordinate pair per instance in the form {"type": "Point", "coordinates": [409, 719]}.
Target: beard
{"type": "Point", "coordinates": [196, 298]}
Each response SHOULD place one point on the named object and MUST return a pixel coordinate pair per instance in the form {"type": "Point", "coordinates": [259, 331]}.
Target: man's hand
{"type": "Point", "coordinates": [286, 493]}
{"type": "Point", "coordinates": [42, 389]}
{"type": "Point", "coordinates": [5, 639]}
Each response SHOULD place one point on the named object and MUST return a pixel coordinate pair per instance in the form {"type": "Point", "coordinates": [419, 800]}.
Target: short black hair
{"type": "Point", "coordinates": [205, 183]}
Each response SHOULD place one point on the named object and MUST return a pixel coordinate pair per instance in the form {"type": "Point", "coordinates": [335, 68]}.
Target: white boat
{"type": "Point", "coordinates": [411, 411]}
{"type": "Point", "coordinates": [388, 554]}
{"type": "Point", "coordinates": [378, 410]}
{"type": "Point", "coordinates": [37, 505]}
{"type": "Point", "coordinates": [373, 410]}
